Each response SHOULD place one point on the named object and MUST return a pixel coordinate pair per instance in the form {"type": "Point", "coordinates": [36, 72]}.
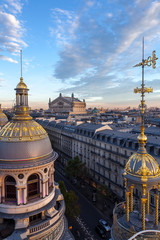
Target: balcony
{"type": "Point", "coordinates": [46, 223]}
{"type": "Point", "coordinates": [39, 227]}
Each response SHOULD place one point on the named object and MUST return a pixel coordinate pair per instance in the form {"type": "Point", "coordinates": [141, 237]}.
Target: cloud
{"type": "Point", "coordinates": [93, 99]}
{"type": "Point", "coordinates": [104, 38]}
{"type": "Point", "coordinates": [7, 59]}
{"type": "Point", "coordinates": [15, 6]}
{"type": "Point", "coordinates": [11, 30]}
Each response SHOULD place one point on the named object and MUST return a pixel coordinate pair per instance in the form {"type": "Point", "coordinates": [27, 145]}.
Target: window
{"type": "Point", "coordinates": [35, 218]}
{"type": "Point", "coordinates": [57, 206]}
{"type": "Point", "coordinates": [10, 189]}
{"type": "Point", "coordinates": [33, 186]}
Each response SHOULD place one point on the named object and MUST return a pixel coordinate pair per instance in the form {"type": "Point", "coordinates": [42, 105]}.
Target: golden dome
{"type": "Point", "coordinates": [24, 140]}
{"type": "Point", "coordinates": [21, 84]}
{"type": "Point", "coordinates": [22, 131]}
{"type": "Point", "coordinates": [142, 165]}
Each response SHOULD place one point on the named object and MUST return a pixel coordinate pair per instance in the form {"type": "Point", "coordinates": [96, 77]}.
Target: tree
{"type": "Point", "coordinates": [62, 188]}
{"type": "Point", "coordinates": [71, 201]}
{"type": "Point", "coordinates": [76, 168]}
{"type": "Point", "coordinates": [72, 206]}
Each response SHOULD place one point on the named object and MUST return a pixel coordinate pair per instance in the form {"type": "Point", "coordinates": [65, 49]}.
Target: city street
{"type": "Point", "coordinates": [89, 213]}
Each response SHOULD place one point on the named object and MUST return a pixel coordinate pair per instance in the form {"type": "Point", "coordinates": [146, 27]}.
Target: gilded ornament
{"type": "Point", "coordinates": [24, 129]}
{"type": "Point", "coordinates": [149, 61]}
{"type": "Point", "coordinates": [144, 171]}
{"type": "Point", "coordinates": [127, 168]}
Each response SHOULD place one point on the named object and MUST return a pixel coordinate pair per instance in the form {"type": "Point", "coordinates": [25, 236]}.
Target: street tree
{"type": "Point", "coordinates": [76, 168]}
{"type": "Point", "coordinates": [71, 201]}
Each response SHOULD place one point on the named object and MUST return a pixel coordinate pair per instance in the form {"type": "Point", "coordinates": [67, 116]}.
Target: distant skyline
{"type": "Point", "coordinates": [85, 47]}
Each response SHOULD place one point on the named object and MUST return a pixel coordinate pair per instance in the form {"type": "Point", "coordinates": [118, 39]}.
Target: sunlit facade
{"type": "Point", "coordinates": [3, 118]}
{"type": "Point", "coordinates": [67, 105]}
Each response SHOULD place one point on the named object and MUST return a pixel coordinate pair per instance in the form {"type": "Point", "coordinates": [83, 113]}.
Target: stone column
{"type": "Point", "coordinates": [20, 99]}
{"type": "Point", "coordinates": [127, 205]}
{"type": "Point", "coordinates": [17, 99]}
{"type": "Point", "coordinates": [132, 198]}
{"type": "Point", "coordinates": [43, 189]}
{"type": "Point", "coordinates": [25, 195]}
{"type": "Point", "coordinates": [3, 193]}
{"type": "Point", "coordinates": [148, 203]}
{"type": "Point", "coordinates": [143, 201]}
{"type": "Point", "coordinates": [52, 178]}
{"type": "Point", "coordinates": [46, 187]}
{"type": "Point", "coordinates": [43, 215]}
{"type": "Point", "coordinates": [18, 195]}
{"type": "Point", "coordinates": [156, 213]}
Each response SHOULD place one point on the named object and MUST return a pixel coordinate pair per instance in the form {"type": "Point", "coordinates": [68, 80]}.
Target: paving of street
{"type": "Point", "coordinates": [89, 213]}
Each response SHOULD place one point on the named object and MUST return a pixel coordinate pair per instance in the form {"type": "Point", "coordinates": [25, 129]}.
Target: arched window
{"type": "Point", "coordinates": [33, 185]}
{"type": "Point", "coordinates": [50, 181]}
{"type": "Point", "coordinates": [10, 189]}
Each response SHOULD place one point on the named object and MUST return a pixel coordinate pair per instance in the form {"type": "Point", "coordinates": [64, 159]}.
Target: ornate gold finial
{"type": "Point", "coordinates": [142, 139]}
{"type": "Point", "coordinates": [149, 61]}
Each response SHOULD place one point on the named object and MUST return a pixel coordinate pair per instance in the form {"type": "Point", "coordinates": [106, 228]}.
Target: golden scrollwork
{"type": "Point", "coordinates": [149, 61]}
{"type": "Point", "coordinates": [144, 90]}
{"type": "Point", "coordinates": [127, 168]}
{"type": "Point", "coordinates": [144, 171]}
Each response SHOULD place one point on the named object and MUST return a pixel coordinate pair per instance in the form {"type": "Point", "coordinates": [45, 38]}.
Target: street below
{"type": "Point", "coordinates": [89, 214]}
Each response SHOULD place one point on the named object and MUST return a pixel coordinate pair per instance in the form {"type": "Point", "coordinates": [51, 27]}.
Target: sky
{"type": "Point", "coordinates": [85, 47]}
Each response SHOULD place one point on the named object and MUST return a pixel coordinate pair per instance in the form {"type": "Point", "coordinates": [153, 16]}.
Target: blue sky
{"type": "Point", "coordinates": [87, 47]}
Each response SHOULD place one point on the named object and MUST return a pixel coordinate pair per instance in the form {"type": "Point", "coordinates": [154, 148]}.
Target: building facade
{"type": "Point", "coordinates": [3, 118]}
{"type": "Point", "coordinates": [31, 204]}
{"type": "Point", "coordinates": [105, 151]}
{"type": "Point", "coordinates": [67, 105]}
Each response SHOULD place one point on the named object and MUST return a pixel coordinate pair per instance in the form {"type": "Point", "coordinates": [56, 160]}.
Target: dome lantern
{"type": "Point", "coordinates": [21, 108]}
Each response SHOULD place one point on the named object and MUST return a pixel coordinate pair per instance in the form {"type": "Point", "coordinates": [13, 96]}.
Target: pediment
{"type": "Point", "coordinates": [60, 101]}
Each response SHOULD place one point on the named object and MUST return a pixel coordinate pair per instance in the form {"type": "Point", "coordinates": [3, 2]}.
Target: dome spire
{"type": "Point", "coordinates": [21, 61]}
{"type": "Point", "coordinates": [142, 171]}
{"type": "Point", "coordinates": [21, 78]}
{"type": "Point", "coordinates": [142, 139]}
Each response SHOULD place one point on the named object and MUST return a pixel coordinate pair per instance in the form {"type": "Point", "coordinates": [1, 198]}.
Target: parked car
{"type": "Point", "coordinates": [100, 231]}
{"type": "Point", "coordinates": [104, 225]}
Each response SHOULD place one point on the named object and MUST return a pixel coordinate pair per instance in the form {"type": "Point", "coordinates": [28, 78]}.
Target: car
{"type": "Point", "coordinates": [100, 231]}
{"type": "Point", "coordinates": [104, 225]}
